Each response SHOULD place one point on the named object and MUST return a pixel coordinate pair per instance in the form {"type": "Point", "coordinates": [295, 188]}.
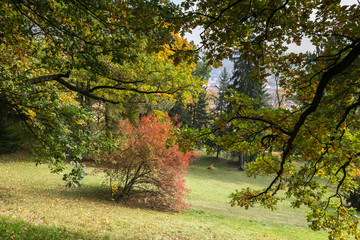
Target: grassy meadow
{"type": "Point", "coordinates": [34, 204]}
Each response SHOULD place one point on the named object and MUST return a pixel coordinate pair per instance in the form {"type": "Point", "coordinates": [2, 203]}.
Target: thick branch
{"type": "Point", "coordinates": [272, 15]}
{"type": "Point", "coordinates": [325, 79]}
{"type": "Point", "coordinates": [215, 19]}
{"type": "Point", "coordinates": [347, 111]}
{"type": "Point", "coordinates": [49, 78]}
{"type": "Point", "coordinates": [83, 92]}
{"type": "Point", "coordinates": [59, 78]}
{"type": "Point", "coordinates": [169, 91]}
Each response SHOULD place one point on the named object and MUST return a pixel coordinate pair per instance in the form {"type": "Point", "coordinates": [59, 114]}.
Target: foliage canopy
{"type": "Point", "coordinates": [56, 53]}
{"type": "Point", "coordinates": [321, 128]}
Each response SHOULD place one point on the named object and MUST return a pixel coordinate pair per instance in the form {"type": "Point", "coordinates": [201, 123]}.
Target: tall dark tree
{"type": "Point", "coordinates": [180, 109]}
{"type": "Point", "coordinates": [9, 140]}
{"type": "Point", "coordinates": [221, 106]}
{"type": "Point", "coordinates": [241, 82]}
{"type": "Point", "coordinates": [199, 111]}
{"type": "Point", "coordinates": [221, 103]}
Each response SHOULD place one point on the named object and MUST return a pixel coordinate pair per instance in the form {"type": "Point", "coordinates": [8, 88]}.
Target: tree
{"type": "Point", "coordinates": [221, 104]}
{"type": "Point", "coordinates": [221, 107]}
{"type": "Point", "coordinates": [148, 163]}
{"type": "Point", "coordinates": [9, 123]}
{"type": "Point", "coordinates": [241, 82]}
{"type": "Point", "coordinates": [58, 55]}
{"type": "Point", "coordinates": [200, 109]}
{"type": "Point", "coordinates": [196, 112]}
{"type": "Point", "coordinates": [322, 132]}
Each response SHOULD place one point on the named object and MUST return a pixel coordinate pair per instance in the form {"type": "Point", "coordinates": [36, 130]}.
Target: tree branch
{"type": "Point", "coordinates": [325, 79]}
{"type": "Point", "coordinates": [49, 78]}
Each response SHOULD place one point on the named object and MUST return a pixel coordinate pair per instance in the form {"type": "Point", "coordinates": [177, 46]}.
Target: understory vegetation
{"type": "Point", "coordinates": [147, 167]}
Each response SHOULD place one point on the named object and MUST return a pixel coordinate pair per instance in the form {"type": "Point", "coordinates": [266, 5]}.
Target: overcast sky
{"type": "Point", "coordinates": [305, 44]}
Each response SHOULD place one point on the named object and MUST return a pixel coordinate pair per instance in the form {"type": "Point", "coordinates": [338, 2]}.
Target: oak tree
{"type": "Point", "coordinates": [321, 133]}
{"type": "Point", "coordinates": [56, 55]}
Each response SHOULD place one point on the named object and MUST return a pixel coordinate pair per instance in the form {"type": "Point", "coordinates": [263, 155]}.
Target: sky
{"type": "Point", "coordinates": [305, 44]}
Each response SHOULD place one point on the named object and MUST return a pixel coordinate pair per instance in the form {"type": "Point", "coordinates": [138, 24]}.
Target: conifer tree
{"type": "Point", "coordinates": [223, 91]}
{"type": "Point", "coordinates": [221, 103]}
{"type": "Point", "coordinates": [196, 114]}
{"type": "Point", "coordinates": [242, 82]}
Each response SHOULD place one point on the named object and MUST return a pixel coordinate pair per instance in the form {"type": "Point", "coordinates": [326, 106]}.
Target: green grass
{"type": "Point", "coordinates": [34, 204]}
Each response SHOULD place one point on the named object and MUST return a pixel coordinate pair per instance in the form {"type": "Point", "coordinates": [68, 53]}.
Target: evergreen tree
{"type": "Point", "coordinates": [242, 82]}
{"type": "Point", "coordinates": [196, 114]}
{"type": "Point", "coordinates": [223, 90]}
{"type": "Point", "coordinates": [221, 103]}
{"type": "Point", "coordinates": [199, 112]}
{"type": "Point", "coordinates": [181, 110]}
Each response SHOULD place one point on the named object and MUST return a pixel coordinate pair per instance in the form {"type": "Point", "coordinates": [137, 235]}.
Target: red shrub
{"type": "Point", "coordinates": [145, 165]}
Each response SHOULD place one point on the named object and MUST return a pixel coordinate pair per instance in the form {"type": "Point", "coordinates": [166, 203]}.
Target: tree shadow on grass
{"type": "Point", "coordinates": [18, 156]}
{"type": "Point", "coordinates": [17, 229]}
{"type": "Point", "coordinates": [220, 162]}
{"type": "Point", "coordinates": [98, 193]}
{"type": "Point", "coordinates": [102, 194]}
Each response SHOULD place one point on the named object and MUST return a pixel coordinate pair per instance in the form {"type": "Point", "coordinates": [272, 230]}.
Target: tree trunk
{"type": "Point", "coordinates": [107, 120]}
{"type": "Point", "coordinates": [241, 161]}
{"type": "Point", "coordinates": [218, 151]}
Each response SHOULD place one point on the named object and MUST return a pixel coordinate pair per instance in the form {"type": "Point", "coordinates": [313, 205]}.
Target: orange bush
{"type": "Point", "coordinates": [148, 163]}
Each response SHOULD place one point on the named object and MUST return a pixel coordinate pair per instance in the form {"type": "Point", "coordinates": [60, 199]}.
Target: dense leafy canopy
{"type": "Point", "coordinates": [55, 54]}
{"type": "Point", "coordinates": [320, 129]}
